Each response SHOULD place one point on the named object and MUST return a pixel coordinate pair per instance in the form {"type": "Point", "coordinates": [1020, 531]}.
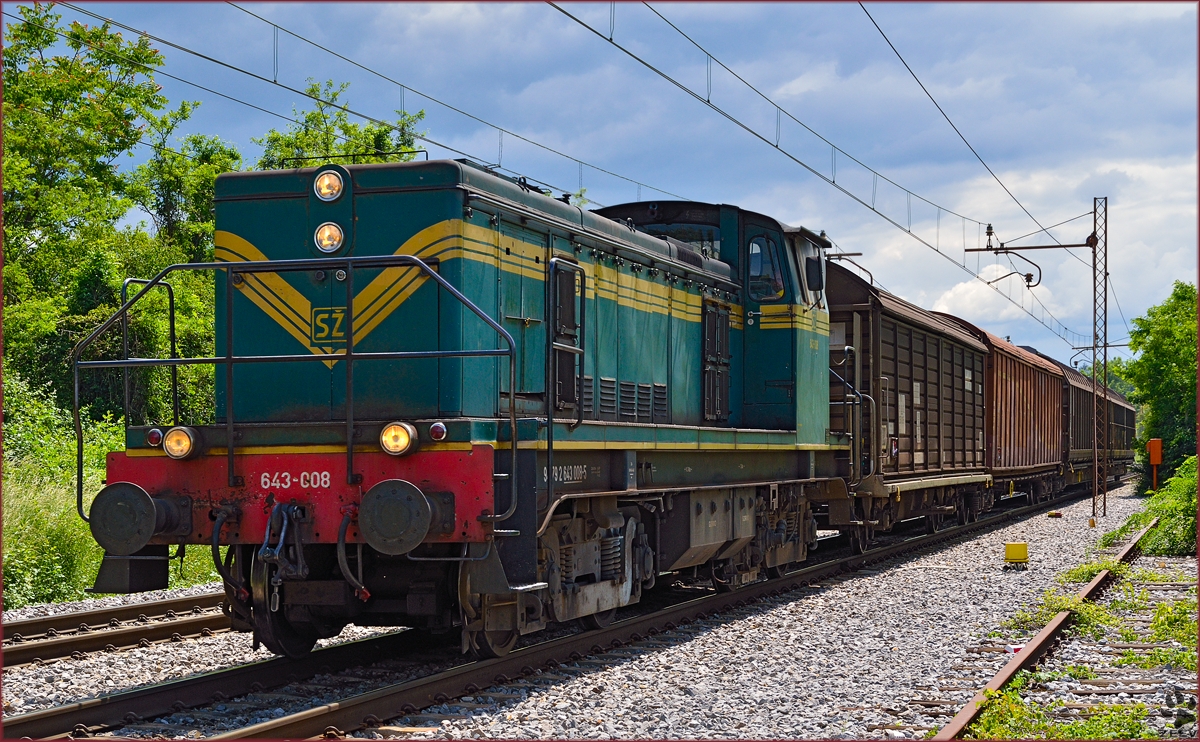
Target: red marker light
{"type": "Point", "coordinates": [154, 436]}
{"type": "Point", "coordinates": [437, 431]}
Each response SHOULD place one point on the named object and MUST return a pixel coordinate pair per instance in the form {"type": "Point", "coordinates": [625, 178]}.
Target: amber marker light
{"type": "Point", "coordinates": [398, 438]}
{"type": "Point", "coordinates": [328, 237]}
{"type": "Point", "coordinates": [328, 185]}
{"type": "Point", "coordinates": [179, 443]}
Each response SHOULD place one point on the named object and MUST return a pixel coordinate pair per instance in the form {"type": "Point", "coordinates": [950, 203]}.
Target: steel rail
{"type": "Point", "coordinates": [124, 707]}
{"type": "Point", "coordinates": [372, 708]}
{"type": "Point", "coordinates": [30, 627]}
{"type": "Point", "coordinates": [1036, 647]}
{"type": "Point", "coordinates": [93, 640]}
{"type": "Point", "coordinates": [110, 711]}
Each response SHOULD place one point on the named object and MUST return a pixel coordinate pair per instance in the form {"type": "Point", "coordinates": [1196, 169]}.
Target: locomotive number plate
{"type": "Point", "coordinates": [284, 480]}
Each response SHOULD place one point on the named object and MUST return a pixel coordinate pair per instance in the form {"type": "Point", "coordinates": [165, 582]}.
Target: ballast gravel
{"type": "Point", "coordinates": [41, 610]}
{"type": "Point", "coordinates": [832, 661]}
{"type": "Point", "coordinates": [818, 662]}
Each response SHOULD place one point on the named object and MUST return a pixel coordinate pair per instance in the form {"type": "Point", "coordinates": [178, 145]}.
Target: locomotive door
{"type": "Point", "coordinates": [523, 255]}
{"type": "Point", "coordinates": [768, 339]}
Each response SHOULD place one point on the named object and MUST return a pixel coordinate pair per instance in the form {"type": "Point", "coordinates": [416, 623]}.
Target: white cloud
{"type": "Point", "coordinates": [818, 78]}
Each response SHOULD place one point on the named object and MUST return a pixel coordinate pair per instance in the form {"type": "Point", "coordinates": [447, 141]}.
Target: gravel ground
{"type": "Point", "coordinates": [91, 604]}
{"type": "Point", "coordinates": [31, 687]}
{"type": "Point", "coordinates": [819, 662]}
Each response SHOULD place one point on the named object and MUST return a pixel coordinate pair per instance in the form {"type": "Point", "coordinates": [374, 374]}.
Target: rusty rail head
{"type": "Point", "coordinates": [1036, 647]}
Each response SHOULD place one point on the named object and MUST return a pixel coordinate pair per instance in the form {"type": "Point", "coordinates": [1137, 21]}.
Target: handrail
{"type": "Point", "coordinates": [552, 347]}
{"type": "Point", "coordinates": [229, 359]}
{"type": "Point", "coordinates": [174, 353]}
{"type": "Point", "coordinates": [857, 435]}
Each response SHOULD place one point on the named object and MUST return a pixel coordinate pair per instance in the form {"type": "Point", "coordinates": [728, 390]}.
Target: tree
{"type": "Point", "coordinates": [326, 132]}
{"type": "Point", "coordinates": [176, 186]}
{"type": "Point", "coordinates": [67, 117]}
{"type": "Point", "coordinates": [1164, 374]}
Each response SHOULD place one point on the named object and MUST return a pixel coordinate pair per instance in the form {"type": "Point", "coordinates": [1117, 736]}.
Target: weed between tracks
{"type": "Point", "coordinates": [1006, 715]}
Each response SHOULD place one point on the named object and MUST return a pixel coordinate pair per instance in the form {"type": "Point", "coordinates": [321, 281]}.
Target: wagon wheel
{"type": "Point", "coordinates": [480, 642]}
{"type": "Point", "coordinates": [597, 620]}
{"type": "Point", "coordinates": [272, 628]}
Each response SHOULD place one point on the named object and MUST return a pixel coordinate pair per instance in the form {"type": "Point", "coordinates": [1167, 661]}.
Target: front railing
{"type": "Point", "coordinates": [229, 360]}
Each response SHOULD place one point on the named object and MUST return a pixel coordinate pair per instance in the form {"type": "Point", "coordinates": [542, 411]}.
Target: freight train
{"type": "Point", "coordinates": [445, 399]}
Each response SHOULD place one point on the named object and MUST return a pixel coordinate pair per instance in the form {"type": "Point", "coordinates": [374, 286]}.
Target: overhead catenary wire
{"type": "Point", "coordinates": [1058, 328]}
{"type": "Point", "coordinates": [503, 131]}
{"type": "Point", "coordinates": [876, 176]}
{"type": "Point", "coordinates": [318, 99]}
{"type": "Point", "coordinates": [1112, 288]}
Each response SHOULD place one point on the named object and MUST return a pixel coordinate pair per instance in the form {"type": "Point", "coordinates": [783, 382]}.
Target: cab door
{"type": "Point", "coordinates": [768, 337]}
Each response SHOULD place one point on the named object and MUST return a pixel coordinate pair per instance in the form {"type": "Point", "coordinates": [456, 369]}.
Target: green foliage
{"type": "Point", "coordinates": [1175, 621]}
{"type": "Point", "coordinates": [67, 117]}
{"type": "Point", "coordinates": [1183, 659]}
{"type": "Point", "coordinates": [327, 133]}
{"type": "Point", "coordinates": [1005, 715]}
{"type": "Point", "coordinates": [1174, 504]}
{"type": "Point", "coordinates": [1087, 571]}
{"type": "Point", "coordinates": [1129, 599]}
{"type": "Point", "coordinates": [1164, 374]}
{"type": "Point", "coordinates": [1090, 618]}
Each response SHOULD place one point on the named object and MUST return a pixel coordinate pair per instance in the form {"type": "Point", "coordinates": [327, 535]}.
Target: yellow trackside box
{"type": "Point", "coordinates": [1016, 552]}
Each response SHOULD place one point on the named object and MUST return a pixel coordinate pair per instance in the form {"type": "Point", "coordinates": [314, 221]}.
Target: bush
{"type": "Point", "coordinates": [1174, 504]}
{"type": "Point", "coordinates": [49, 555]}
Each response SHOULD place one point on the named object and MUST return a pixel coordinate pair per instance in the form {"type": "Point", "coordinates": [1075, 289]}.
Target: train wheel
{"type": "Point", "coordinates": [598, 620]}
{"type": "Point", "coordinates": [932, 523]}
{"type": "Point", "coordinates": [777, 572]}
{"type": "Point", "coordinates": [489, 644]}
{"type": "Point", "coordinates": [271, 627]}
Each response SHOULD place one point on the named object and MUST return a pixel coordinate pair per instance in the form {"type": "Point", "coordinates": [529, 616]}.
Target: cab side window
{"type": "Point", "coordinates": [764, 278]}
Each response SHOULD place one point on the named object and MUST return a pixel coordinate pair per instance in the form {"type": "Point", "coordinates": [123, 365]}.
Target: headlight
{"type": "Point", "coordinates": [398, 438]}
{"type": "Point", "coordinates": [180, 443]}
{"type": "Point", "coordinates": [328, 185]}
{"type": "Point", "coordinates": [328, 237]}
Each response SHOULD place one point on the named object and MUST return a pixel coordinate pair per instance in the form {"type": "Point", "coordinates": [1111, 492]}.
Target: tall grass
{"type": "Point", "coordinates": [49, 554]}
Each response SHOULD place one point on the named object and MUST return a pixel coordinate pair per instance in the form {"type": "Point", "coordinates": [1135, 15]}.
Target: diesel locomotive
{"type": "Point", "coordinates": [447, 400]}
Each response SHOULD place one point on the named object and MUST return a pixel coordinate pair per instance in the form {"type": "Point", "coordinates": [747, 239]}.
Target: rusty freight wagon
{"type": "Point", "coordinates": [1024, 402]}
{"type": "Point", "coordinates": [909, 386]}
{"type": "Point", "coordinates": [1078, 427]}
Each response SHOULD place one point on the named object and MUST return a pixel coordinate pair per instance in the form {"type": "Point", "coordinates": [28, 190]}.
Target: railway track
{"type": "Point", "coordinates": [109, 629]}
{"type": "Point", "coordinates": [1093, 686]}
{"type": "Point", "coordinates": [281, 683]}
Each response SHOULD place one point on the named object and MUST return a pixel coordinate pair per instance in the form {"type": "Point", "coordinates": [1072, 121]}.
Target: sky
{"type": "Point", "coordinates": [1064, 102]}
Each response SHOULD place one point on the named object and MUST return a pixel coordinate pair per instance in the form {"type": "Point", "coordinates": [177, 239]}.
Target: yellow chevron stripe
{"type": "Point", "coordinates": [449, 240]}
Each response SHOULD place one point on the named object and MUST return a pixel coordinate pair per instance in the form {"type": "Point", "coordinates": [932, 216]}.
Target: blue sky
{"type": "Point", "coordinates": [1063, 101]}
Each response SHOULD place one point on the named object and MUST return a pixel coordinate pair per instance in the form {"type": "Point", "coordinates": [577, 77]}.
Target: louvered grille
{"type": "Point", "coordinates": [608, 396]}
{"type": "Point", "coordinates": [661, 411]}
{"type": "Point", "coordinates": [628, 410]}
{"type": "Point", "coordinates": [645, 403]}
{"type": "Point", "coordinates": [589, 396]}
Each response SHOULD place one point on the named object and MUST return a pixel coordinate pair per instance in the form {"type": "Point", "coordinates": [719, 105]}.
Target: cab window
{"type": "Point", "coordinates": [764, 277]}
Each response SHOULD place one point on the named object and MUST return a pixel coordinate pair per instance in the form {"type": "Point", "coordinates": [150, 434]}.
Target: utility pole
{"type": "Point", "coordinates": [1098, 242]}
